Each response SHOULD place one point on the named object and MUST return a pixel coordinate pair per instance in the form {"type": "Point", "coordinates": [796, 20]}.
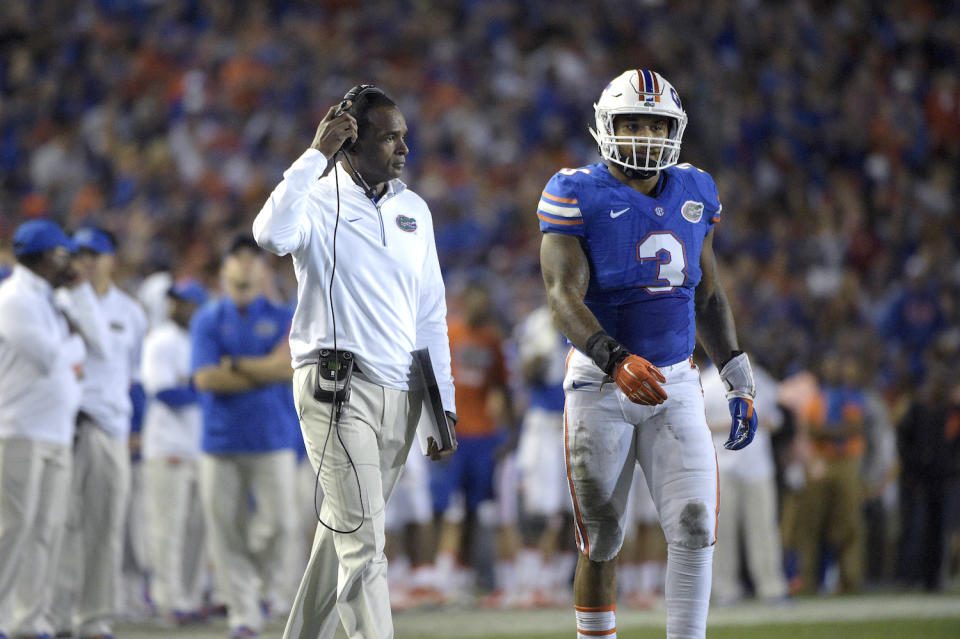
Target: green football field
{"type": "Point", "coordinates": [898, 629]}
{"type": "Point", "coordinates": [888, 616]}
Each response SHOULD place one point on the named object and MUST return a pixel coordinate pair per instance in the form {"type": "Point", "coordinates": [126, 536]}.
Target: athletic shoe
{"type": "Point", "coordinates": [243, 632]}
{"type": "Point", "coordinates": [215, 610]}
{"type": "Point", "coordinates": [185, 617]}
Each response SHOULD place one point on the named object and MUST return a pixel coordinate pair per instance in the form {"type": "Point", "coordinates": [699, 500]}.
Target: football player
{"type": "Point", "coordinates": [631, 277]}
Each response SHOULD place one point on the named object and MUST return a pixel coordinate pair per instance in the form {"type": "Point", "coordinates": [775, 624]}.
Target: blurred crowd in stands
{"type": "Point", "coordinates": [831, 128]}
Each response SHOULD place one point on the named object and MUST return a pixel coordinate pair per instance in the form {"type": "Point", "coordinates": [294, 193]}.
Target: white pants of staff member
{"type": "Point", "coordinates": [253, 549]}
{"type": "Point", "coordinates": [134, 604]}
{"type": "Point", "coordinates": [347, 572]}
{"type": "Point", "coordinates": [88, 578]}
{"type": "Point", "coordinates": [34, 486]}
{"type": "Point", "coordinates": [749, 509]}
{"type": "Point", "coordinates": [175, 533]}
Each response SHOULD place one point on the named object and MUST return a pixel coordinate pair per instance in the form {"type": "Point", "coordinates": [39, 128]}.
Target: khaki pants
{"type": "Point", "coordinates": [252, 549]}
{"type": "Point", "coordinates": [88, 578]}
{"type": "Point", "coordinates": [829, 512]}
{"type": "Point", "coordinates": [347, 572]}
{"type": "Point", "coordinates": [750, 510]}
{"type": "Point", "coordinates": [175, 533]}
{"type": "Point", "coordinates": [34, 486]}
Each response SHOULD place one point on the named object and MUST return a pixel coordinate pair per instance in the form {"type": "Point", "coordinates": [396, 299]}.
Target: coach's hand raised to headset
{"type": "Point", "coordinates": [334, 130]}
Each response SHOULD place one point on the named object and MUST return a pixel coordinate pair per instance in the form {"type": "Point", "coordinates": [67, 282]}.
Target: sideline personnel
{"type": "Point", "coordinates": [378, 295]}
{"type": "Point", "coordinates": [113, 326]}
{"type": "Point", "coordinates": [40, 358]}
{"type": "Point", "coordinates": [241, 367]}
{"type": "Point", "coordinates": [172, 427]}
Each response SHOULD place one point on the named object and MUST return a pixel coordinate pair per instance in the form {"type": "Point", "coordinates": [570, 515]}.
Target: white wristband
{"type": "Point", "coordinates": [737, 377]}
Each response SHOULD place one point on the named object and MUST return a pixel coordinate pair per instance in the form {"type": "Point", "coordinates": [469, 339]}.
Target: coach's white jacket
{"type": "Point", "coordinates": [388, 295]}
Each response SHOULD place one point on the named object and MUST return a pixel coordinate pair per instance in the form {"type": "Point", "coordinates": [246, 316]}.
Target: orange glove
{"type": "Point", "coordinates": [637, 378]}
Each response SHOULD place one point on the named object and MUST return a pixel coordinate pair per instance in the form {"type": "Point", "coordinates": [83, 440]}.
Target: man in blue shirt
{"type": "Point", "coordinates": [241, 365]}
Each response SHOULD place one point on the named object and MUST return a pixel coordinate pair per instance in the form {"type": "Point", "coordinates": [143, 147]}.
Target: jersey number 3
{"type": "Point", "coordinates": [670, 256]}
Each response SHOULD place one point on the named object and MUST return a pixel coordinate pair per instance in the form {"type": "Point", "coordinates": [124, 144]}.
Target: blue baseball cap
{"type": "Point", "coordinates": [188, 291]}
{"type": "Point", "coordinates": [94, 239]}
{"type": "Point", "coordinates": [37, 236]}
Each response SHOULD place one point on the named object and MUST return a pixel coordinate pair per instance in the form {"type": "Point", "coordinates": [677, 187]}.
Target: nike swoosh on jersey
{"type": "Point", "coordinates": [618, 213]}
{"type": "Point", "coordinates": [353, 220]}
{"type": "Point", "coordinates": [575, 385]}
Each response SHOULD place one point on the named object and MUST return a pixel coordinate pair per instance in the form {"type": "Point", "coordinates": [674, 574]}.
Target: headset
{"type": "Point", "coordinates": [335, 369]}
{"type": "Point", "coordinates": [352, 96]}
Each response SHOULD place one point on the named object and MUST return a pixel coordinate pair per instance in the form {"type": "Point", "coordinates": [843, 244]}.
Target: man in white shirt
{"type": "Point", "coordinates": [544, 570]}
{"type": "Point", "coordinates": [748, 492]}
{"type": "Point", "coordinates": [89, 574]}
{"type": "Point", "coordinates": [369, 284]}
{"type": "Point", "coordinates": [171, 453]}
{"type": "Point", "coordinates": [40, 359]}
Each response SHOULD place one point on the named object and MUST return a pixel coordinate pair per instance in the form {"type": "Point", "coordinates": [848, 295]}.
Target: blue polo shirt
{"type": "Point", "coordinates": [260, 420]}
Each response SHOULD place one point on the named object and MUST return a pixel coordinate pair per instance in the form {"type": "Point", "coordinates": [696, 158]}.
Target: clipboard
{"type": "Point", "coordinates": [433, 419]}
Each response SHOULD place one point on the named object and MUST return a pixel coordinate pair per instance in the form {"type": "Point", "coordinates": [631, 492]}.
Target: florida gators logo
{"type": "Point", "coordinates": [692, 211]}
{"type": "Point", "coordinates": [407, 224]}
{"type": "Point", "coordinates": [265, 328]}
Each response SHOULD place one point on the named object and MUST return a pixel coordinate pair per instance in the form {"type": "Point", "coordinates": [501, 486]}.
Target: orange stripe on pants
{"type": "Point", "coordinates": [580, 529]}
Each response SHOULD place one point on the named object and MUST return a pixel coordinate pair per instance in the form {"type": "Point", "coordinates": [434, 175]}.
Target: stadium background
{"type": "Point", "coordinates": [832, 129]}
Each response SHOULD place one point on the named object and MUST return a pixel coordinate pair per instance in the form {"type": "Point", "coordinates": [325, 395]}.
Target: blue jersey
{"type": "Point", "coordinates": [643, 251]}
{"type": "Point", "coordinates": [259, 420]}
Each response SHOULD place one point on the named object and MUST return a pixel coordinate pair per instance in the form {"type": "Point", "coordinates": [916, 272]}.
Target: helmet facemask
{"type": "Point", "coordinates": [646, 155]}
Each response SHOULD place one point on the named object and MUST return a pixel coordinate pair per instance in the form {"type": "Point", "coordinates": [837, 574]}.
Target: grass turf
{"type": "Point", "coordinates": [884, 629]}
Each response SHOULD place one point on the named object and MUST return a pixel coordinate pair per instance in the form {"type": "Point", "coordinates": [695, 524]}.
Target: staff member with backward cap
{"type": "Point", "coordinates": [369, 284]}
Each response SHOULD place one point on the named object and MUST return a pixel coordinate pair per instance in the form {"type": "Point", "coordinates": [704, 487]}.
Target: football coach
{"type": "Point", "coordinates": [369, 294]}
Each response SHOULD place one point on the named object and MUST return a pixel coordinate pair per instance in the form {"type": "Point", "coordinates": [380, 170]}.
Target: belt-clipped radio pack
{"type": "Point", "coordinates": [334, 370]}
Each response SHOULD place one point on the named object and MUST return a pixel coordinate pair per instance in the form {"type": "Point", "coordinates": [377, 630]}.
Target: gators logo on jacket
{"type": "Point", "coordinates": [407, 224]}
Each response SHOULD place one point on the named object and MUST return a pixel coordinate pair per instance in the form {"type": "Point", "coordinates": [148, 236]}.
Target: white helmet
{"type": "Point", "coordinates": [646, 93]}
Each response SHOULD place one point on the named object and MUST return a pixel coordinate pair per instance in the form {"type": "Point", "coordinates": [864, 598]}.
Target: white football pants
{"type": "Point", "coordinates": [605, 436]}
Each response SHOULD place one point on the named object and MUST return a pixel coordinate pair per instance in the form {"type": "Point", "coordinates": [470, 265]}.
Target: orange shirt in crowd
{"type": "Point", "coordinates": [478, 369]}
{"type": "Point", "coordinates": [851, 413]}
